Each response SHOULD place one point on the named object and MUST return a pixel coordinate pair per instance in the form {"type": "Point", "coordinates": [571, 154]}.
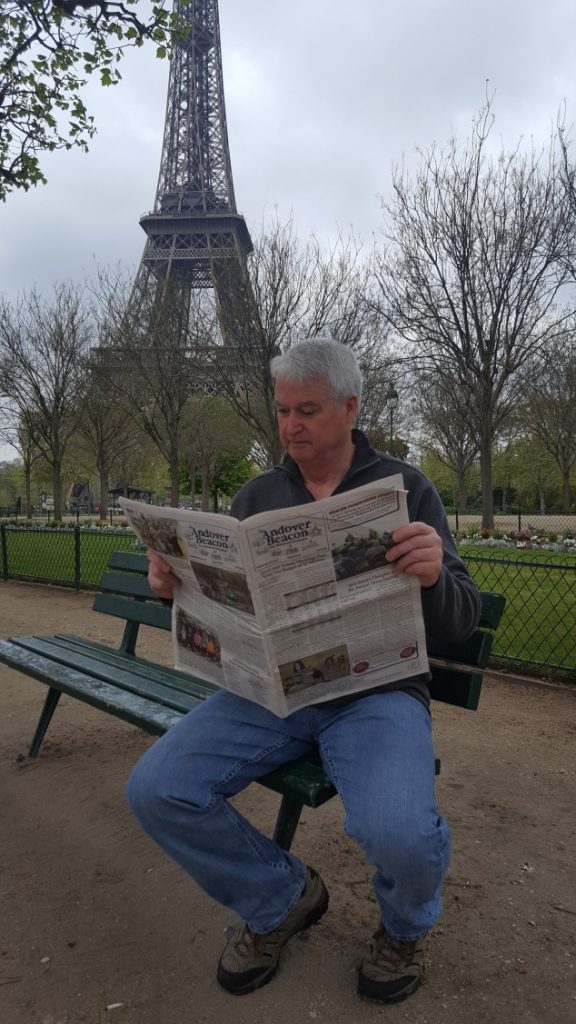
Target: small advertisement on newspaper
{"type": "Point", "coordinates": [295, 606]}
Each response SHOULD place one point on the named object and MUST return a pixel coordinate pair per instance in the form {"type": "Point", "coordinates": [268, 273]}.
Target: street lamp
{"type": "Point", "coordinates": [391, 400]}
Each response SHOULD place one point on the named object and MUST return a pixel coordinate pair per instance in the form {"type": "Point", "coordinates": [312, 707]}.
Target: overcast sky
{"type": "Point", "coordinates": [322, 98]}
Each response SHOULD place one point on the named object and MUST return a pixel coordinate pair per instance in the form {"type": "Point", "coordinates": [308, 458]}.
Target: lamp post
{"type": "Point", "coordinates": [391, 400]}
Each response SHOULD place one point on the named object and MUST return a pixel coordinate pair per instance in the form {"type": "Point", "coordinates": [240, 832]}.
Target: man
{"type": "Point", "coordinates": [375, 746]}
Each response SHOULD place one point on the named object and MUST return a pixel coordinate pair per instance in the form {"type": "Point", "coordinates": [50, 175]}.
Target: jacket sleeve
{"type": "Point", "coordinates": [452, 607]}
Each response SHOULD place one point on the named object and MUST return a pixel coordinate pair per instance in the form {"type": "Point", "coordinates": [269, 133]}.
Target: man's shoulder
{"type": "Point", "coordinates": [389, 465]}
{"type": "Point", "coordinates": [271, 489]}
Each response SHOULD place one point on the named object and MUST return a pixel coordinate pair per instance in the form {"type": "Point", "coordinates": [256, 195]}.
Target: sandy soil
{"type": "Point", "coordinates": [97, 925]}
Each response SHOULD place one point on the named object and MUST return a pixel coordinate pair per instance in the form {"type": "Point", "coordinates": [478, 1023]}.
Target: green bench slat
{"type": "Point", "coordinates": [128, 678]}
{"type": "Point", "coordinates": [129, 584]}
{"type": "Point", "coordinates": [492, 609]}
{"type": "Point", "coordinates": [306, 783]}
{"type": "Point", "coordinates": [129, 561]}
{"type": "Point", "coordinates": [121, 661]}
{"type": "Point", "coordinates": [302, 776]}
{"type": "Point", "coordinates": [452, 687]}
{"type": "Point", "coordinates": [134, 611]}
{"type": "Point", "coordinates": [130, 707]}
{"type": "Point", "coordinates": [474, 651]}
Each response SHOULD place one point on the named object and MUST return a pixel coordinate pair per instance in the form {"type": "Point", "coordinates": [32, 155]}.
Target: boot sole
{"type": "Point", "coordinates": [398, 997]}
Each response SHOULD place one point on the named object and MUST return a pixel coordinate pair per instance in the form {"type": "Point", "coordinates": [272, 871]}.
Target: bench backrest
{"type": "Point", "coordinates": [456, 667]}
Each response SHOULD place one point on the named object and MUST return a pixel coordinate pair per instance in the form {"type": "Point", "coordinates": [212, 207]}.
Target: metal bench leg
{"type": "Point", "coordinates": [287, 822]}
{"type": "Point", "coordinates": [52, 698]}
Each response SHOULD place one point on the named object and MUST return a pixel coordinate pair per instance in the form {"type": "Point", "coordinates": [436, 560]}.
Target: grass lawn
{"type": "Point", "coordinates": [539, 624]}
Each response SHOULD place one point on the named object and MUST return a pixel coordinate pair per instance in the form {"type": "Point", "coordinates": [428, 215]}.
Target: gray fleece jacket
{"type": "Point", "coordinates": [451, 608]}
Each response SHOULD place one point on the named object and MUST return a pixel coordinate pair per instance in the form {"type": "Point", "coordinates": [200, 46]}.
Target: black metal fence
{"type": "Point", "coordinates": [46, 515]}
{"type": "Point", "coordinates": [512, 520]}
{"type": "Point", "coordinates": [537, 633]}
{"type": "Point", "coordinates": [73, 556]}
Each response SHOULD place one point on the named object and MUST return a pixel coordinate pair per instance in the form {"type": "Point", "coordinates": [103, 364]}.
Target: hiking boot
{"type": "Point", "coordinates": [251, 960]}
{"type": "Point", "coordinates": [392, 971]}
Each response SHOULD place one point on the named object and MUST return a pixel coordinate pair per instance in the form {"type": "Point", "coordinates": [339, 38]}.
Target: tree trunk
{"type": "Point", "coordinates": [565, 491]}
{"type": "Point", "coordinates": [486, 477]}
{"type": "Point", "coordinates": [276, 451]}
{"type": "Point", "coordinates": [27, 510]}
{"type": "Point", "coordinates": [104, 488]}
{"type": "Point", "coordinates": [192, 472]}
{"type": "Point", "coordinates": [205, 477]}
{"type": "Point", "coordinates": [57, 489]}
{"type": "Point", "coordinates": [462, 492]}
{"type": "Point", "coordinates": [542, 497]}
{"type": "Point", "coordinates": [174, 482]}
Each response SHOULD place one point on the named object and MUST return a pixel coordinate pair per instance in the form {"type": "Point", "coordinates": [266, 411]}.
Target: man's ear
{"type": "Point", "coordinates": [351, 405]}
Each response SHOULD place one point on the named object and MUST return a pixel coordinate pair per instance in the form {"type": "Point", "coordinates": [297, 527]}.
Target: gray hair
{"type": "Point", "coordinates": [321, 357]}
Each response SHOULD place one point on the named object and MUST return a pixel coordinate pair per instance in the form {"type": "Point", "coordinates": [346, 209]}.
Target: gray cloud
{"type": "Point", "coordinates": [322, 98]}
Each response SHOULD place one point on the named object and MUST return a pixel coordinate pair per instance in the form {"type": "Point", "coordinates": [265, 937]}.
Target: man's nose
{"type": "Point", "coordinates": [294, 421]}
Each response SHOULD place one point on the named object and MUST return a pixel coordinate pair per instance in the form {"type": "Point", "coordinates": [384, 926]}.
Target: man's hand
{"type": "Point", "coordinates": [160, 576]}
{"type": "Point", "coordinates": [417, 551]}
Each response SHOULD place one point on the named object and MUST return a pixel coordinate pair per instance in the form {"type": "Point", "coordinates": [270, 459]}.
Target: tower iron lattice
{"type": "Point", "coordinates": [196, 239]}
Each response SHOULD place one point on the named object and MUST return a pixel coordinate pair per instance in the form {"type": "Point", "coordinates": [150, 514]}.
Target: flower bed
{"type": "Point", "coordinates": [522, 539]}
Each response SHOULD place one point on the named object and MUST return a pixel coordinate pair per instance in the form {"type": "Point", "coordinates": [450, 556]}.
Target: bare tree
{"type": "Point", "coordinates": [42, 372]}
{"type": "Point", "coordinates": [213, 430]}
{"type": "Point", "coordinates": [300, 290]}
{"type": "Point", "coordinates": [152, 358]}
{"type": "Point", "coordinates": [549, 413]}
{"type": "Point", "coordinates": [447, 430]}
{"type": "Point", "coordinates": [478, 250]}
{"type": "Point", "coordinates": [107, 432]}
{"type": "Point", "coordinates": [20, 437]}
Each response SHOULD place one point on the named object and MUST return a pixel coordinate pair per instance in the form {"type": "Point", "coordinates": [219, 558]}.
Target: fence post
{"type": "Point", "coordinates": [77, 557]}
{"type": "Point", "coordinates": [519, 521]}
{"type": "Point", "coordinates": [4, 551]}
{"type": "Point", "coordinates": [457, 519]}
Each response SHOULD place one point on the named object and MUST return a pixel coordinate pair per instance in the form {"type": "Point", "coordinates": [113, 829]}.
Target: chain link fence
{"type": "Point", "coordinates": [69, 556]}
{"type": "Point", "coordinates": [538, 629]}
{"type": "Point", "coordinates": [537, 633]}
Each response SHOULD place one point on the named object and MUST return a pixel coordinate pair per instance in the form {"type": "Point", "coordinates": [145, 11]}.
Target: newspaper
{"type": "Point", "coordinates": [295, 606]}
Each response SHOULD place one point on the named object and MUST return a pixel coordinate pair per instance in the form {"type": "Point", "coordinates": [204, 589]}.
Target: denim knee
{"type": "Point", "coordinates": [147, 794]}
{"type": "Point", "coordinates": [398, 846]}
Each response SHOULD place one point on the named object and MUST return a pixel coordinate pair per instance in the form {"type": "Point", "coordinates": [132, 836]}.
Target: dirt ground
{"type": "Point", "coordinates": [97, 925]}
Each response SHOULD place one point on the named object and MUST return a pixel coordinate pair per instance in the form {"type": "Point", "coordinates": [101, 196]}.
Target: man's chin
{"type": "Point", "coordinates": [299, 450]}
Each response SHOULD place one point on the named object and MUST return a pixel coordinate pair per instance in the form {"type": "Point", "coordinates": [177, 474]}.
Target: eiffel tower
{"type": "Point", "coordinates": [195, 236]}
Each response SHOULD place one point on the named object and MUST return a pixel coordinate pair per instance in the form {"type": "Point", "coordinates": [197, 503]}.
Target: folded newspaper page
{"type": "Point", "coordinates": [295, 606]}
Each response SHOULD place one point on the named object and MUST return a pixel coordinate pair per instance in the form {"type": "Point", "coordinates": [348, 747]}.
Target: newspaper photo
{"type": "Point", "coordinates": [295, 606]}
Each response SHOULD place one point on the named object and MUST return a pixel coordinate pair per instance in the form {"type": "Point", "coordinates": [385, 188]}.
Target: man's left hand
{"type": "Point", "coordinates": [417, 551]}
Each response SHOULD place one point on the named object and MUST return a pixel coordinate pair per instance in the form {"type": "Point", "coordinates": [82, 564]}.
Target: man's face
{"type": "Point", "coordinates": [313, 427]}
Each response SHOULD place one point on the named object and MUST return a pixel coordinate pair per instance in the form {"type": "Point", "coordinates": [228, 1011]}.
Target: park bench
{"type": "Point", "coordinates": [154, 697]}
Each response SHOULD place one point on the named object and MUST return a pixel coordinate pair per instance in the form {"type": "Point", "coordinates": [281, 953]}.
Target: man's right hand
{"type": "Point", "coordinates": [160, 576]}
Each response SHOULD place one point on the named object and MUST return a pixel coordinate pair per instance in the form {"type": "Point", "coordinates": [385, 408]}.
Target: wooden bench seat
{"type": "Point", "coordinates": [154, 697]}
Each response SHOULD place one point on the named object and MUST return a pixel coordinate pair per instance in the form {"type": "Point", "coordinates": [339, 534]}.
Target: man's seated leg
{"type": "Point", "coordinates": [378, 752]}
{"type": "Point", "coordinates": [179, 792]}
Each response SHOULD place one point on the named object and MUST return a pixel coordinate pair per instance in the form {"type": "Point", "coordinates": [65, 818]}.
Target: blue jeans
{"type": "Point", "coordinates": [377, 751]}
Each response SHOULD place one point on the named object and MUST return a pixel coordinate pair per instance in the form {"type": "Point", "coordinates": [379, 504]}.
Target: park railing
{"type": "Point", "coordinates": [537, 633]}
{"type": "Point", "coordinates": [514, 520]}
{"type": "Point", "coordinates": [72, 556]}
{"type": "Point", "coordinates": [538, 628]}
